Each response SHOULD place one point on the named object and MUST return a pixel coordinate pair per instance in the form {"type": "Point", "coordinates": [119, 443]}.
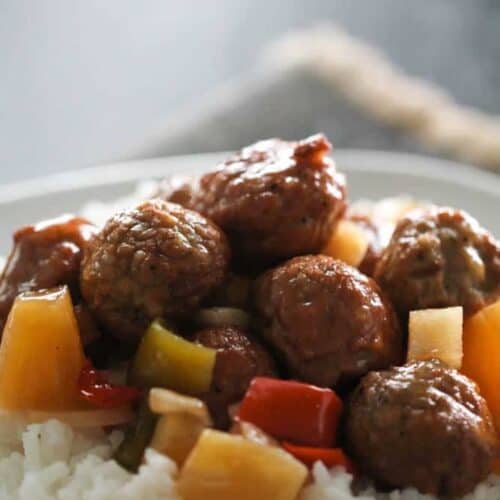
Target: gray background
{"type": "Point", "coordinates": [82, 81]}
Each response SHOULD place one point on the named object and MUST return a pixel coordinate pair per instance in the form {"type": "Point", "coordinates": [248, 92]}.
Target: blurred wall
{"type": "Point", "coordinates": [83, 80]}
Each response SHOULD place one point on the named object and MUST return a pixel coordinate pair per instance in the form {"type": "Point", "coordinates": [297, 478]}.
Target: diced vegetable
{"type": "Point", "coordinates": [227, 467]}
{"type": "Point", "coordinates": [41, 355]}
{"type": "Point", "coordinates": [98, 392]}
{"type": "Point", "coordinates": [182, 421]}
{"type": "Point", "coordinates": [292, 411]}
{"type": "Point", "coordinates": [167, 402]}
{"type": "Point", "coordinates": [482, 355]}
{"type": "Point", "coordinates": [164, 359]}
{"type": "Point", "coordinates": [331, 457]}
{"type": "Point", "coordinates": [137, 438]}
{"type": "Point", "coordinates": [436, 333]}
{"type": "Point", "coordinates": [222, 316]}
{"type": "Point", "coordinates": [348, 243]}
{"type": "Point", "coordinates": [176, 435]}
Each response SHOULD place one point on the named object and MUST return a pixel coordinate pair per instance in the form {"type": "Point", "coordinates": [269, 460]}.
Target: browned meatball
{"type": "Point", "coordinates": [44, 255]}
{"type": "Point", "coordinates": [178, 189]}
{"type": "Point", "coordinates": [275, 199]}
{"type": "Point", "coordinates": [239, 359]}
{"type": "Point", "coordinates": [422, 425]}
{"type": "Point", "coordinates": [156, 260]}
{"type": "Point", "coordinates": [329, 323]}
{"type": "Point", "coordinates": [440, 258]}
{"type": "Point", "coordinates": [89, 331]}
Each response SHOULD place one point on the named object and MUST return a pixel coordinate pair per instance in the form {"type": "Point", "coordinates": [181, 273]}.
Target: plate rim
{"type": "Point", "coordinates": [135, 170]}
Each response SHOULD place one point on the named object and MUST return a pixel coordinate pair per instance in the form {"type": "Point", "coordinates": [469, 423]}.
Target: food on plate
{"type": "Point", "coordinates": [327, 322]}
{"type": "Point", "coordinates": [274, 199]}
{"type": "Point", "coordinates": [157, 259]}
{"type": "Point", "coordinates": [240, 357]}
{"type": "Point", "coordinates": [292, 411]}
{"type": "Point", "coordinates": [348, 243]}
{"type": "Point", "coordinates": [246, 334]}
{"type": "Point", "coordinates": [482, 355]}
{"type": "Point", "coordinates": [43, 256]}
{"type": "Point", "coordinates": [373, 243]}
{"type": "Point", "coordinates": [331, 457]}
{"type": "Point", "coordinates": [181, 422]}
{"type": "Point", "coordinates": [246, 470]}
{"type": "Point", "coordinates": [423, 425]}
{"type": "Point", "coordinates": [178, 189]}
{"type": "Point", "coordinates": [41, 355]}
{"type": "Point", "coordinates": [440, 257]}
{"type": "Point", "coordinates": [164, 359]}
{"type": "Point", "coordinates": [436, 333]}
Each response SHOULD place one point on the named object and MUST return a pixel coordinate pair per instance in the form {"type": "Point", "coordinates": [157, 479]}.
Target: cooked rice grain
{"type": "Point", "coordinates": [52, 461]}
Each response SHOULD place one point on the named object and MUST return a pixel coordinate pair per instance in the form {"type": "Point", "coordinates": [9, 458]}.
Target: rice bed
{"type": "Point", "coordinates": [53, 461]}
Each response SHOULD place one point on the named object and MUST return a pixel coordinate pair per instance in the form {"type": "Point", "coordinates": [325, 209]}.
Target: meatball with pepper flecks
{"type": "Point", "coordinates": [422, 425]}
{"type": "Point", "coordinates": [440, 258]}
{"type": "Point", "coordinates": [275, 199]}
{"type": "Point", "coordinates": [156, 260]}
{"type": "Point", "coordinates": [44, 255]}
{"type": "Point", "coordinates": [328, 323]}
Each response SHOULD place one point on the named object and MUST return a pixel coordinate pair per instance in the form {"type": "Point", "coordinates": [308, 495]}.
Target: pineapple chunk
{"type": "Point", "coordinates": [228, 467]}
{"type": "Point", "coordinates": [41, 355]}
{"type": "Point", "coordinates": [176, 435]}
{"type": "Point", "coordinates": [182, 421]}
{"type": "Point", "coordinates": [348, 243]}
{"type": "Point", "coordinates": [436, 333]}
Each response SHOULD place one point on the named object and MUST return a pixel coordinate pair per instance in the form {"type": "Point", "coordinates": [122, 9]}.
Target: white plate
{"type": "Point", "coordinates": [370, 174]}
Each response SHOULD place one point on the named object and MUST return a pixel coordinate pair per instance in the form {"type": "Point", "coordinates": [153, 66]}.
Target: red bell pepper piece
{"type": "Point", "coordinates": [97, 391]}
{"type": "Point", "coordinates": [292, 411]}
{"type": "Point", "coordinates": [329, 456]}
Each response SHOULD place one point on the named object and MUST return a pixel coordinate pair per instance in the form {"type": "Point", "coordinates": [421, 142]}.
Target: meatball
{"type": "Point", "coordinates": [440, 258]}
{"type": "Point", "coordinates": [422, 425]}
{"type": "Point", "coordinates": [329, 323]}
{"type": "Point", "coordinates": [275, 199]}
{"type": "Point", "coordinates": [89, 331]}
{"type": "Point", "coordinates": [239, 359]}
{"type": "Point", "coordinates": [156, 260]}
{"type": "Point", "coordinates": [177, 189]}
{"type": "Point", "coordinates": [44, 255]}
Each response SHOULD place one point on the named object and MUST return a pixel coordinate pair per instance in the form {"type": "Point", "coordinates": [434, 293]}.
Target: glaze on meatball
{"type": "Point", "coordinates": [275, 199]}
{"type": "Point", "coordinates": [440, 258]}
{"type": "Point", "coordinates": [240, 358]}
{"type": "Point", "coordinates": [44, 255]}
{"type": "Point", "coordinates": [422, 425]}
{"type": "Point", "coordinates": [329, 323]}
{"type": "Point", "coordinates": [156, 260]}
{"type": "Point", "coordinates": [178, 189]}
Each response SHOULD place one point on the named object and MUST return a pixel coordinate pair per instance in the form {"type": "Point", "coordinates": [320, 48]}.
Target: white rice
{"type": "Point", "coordinates": [52, 461]}
{"type": "Point", "coordinates": [336, 485]}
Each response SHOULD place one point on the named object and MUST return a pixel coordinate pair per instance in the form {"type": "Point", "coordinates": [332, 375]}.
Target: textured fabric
{"type": "Point", "coordinates": [325, 80]}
